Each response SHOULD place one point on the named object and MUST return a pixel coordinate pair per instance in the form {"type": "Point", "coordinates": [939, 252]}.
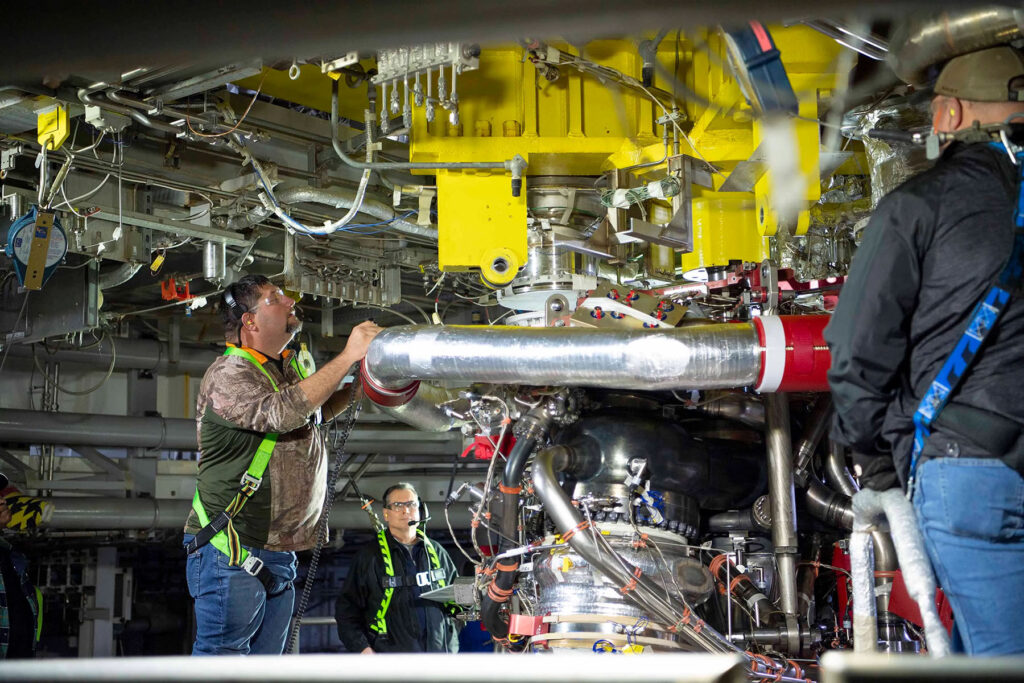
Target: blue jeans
{"type": "Point", "coordinates": [971, 513]}
{"type": "Point", "coordinates": [235, 615]}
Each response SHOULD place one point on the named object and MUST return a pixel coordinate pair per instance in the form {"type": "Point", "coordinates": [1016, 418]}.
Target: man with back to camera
{"type": "Point", "coordinates": [932, 250]}
{"type": "Point", "coordinates": [380, 608]}
{"type": "Point", "coordinates": [262, 470]}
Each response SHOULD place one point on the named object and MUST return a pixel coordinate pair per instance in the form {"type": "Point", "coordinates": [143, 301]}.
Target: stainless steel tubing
{"type": "Point", "coordinates": [836, 473]}
{"type": "Point", "coordinates": [566, 517]}
{"type": "Point", "coordinates": [85, 97]}
{"type": "Point", "coordinates": [928, 39]}
{"type": "Point", "coordinates": [424, 412]}
{"type": "Point", "coordinates": [838, 477]}
{"type": "Point", "coordinates": [132, 354]}
{"type": "Point", "coordinates": [817, 424]}
{"type": "Point", "coordinates": [827, 505]}
{"type": "Point", "coordinates": [697, 357]}
{"type": "Point", "coordinates": [783, 501]}
{"type": "Point", "coordinates": [341, 198]}
{"type": "Point", "coordinates": [101, 514]}
{"type": "Point", "coordinates": [82, 429]}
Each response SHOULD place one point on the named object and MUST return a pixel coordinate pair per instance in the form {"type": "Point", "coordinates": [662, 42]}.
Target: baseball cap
{"type": "Point", "coordinates": [983, 76]}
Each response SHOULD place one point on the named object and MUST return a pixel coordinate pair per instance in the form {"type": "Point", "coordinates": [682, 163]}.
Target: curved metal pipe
{"type": "Point", "coordinates": [817, 423]}
{"type": "Point", "coordinates": [85, 97]}
{"type": "Point", "coordinates": [567, 518]}
{"type": "Point", "coordinates": [828, 506]}
{"type": "Point", "coordinates": [927, 40]}
{"type": "Point", "coordinates": [118, 276]}
{"type": "Point", "coordinates": [341, 198]}
{"type": "Point", "coordinates": [745, 408]}
{"type": "Point", "coordinates": [836, 473]}
{"type": "Point", "coordinates": [423, 411]}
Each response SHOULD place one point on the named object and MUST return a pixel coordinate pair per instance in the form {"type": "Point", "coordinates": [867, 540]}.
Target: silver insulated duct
{"type": "Point", "coordinates": [784, 353]}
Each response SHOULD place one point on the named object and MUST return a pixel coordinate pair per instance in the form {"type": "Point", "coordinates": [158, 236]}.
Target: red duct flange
{"type": "Point", "coordinates": [794, 356]}
{"type": "Point", "coordinates": [383, 396]}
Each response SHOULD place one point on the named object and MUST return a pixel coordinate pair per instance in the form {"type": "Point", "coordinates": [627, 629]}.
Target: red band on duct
{"type": "Point", "coordinates": [383, 396]}
{"type": "Point", "coordinates": [794, 356]}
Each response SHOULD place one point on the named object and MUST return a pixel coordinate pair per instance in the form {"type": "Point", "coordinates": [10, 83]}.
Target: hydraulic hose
{"type": "Point", "coordinates": [533, 428]}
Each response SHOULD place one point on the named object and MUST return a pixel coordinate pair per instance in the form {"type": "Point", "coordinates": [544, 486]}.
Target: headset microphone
{"type": "Point", "coordinates": [419, 521]}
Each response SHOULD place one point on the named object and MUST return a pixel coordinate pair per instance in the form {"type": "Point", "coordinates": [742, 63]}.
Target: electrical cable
{"type": "Point", "coordinates": [340, 439]}
{"type": "Point", "coordinates": [9, 344]}
{"type": "Point", "coordinates": [188, 121]}
{"type": "Point", "coordinates": [82, 392]}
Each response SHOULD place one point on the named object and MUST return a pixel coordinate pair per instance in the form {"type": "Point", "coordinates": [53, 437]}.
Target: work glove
{"type": "Point", "coordinates": [875, 471]}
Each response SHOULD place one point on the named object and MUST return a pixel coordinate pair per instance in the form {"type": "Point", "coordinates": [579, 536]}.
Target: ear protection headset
{"type": "Point", "coordinates": [237, 308]}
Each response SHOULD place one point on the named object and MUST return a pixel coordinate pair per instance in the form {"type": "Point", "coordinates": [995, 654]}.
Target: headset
{"type": "Point", "coordinates": [237, 308]}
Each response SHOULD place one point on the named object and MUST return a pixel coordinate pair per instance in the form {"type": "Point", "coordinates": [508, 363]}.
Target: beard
{"type": "Point", "coordinates": [293, 327]}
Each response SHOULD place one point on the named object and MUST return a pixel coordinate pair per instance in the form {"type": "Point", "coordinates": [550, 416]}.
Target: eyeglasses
{"type": "Point", "coordinates": [274, 299]}
{"type": "Point", "coordinates": [407, 506]}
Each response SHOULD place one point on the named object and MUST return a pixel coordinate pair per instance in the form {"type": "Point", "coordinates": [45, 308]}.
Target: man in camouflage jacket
{"type": "Point", "coordinates": [242, 398]}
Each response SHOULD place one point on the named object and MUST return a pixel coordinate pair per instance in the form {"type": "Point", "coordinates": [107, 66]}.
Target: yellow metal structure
{"type": "Point", "coordinates": [580, 125]}
{"type": "Point", "coordinates": [52, 126]}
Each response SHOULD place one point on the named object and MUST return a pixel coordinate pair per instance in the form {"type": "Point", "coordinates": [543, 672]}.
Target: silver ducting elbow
{"type": "Point", "coordinates": [423, 410]}
{"type": "Point", "coordinates": [712, 356]}
{"type": "Point", "coordinates": [926, 40]}
{"type": "Point", "coordinates": [118, 276]}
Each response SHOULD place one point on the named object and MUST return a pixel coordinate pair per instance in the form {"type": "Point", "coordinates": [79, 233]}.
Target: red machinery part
{"type": "Point", "coordinates": [383, 396]}
{"type": "Point", "coordinates": [527, 625]}
{"type": "Point", "coordinates": [794, 356]}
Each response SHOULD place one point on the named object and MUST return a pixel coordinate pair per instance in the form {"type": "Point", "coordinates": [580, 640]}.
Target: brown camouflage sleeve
{"type": "Point", "coordinates": [238, 392]}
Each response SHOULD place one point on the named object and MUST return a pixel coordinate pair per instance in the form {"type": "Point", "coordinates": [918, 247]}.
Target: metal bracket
{"type": "Point", "coordinates": [678, 232]}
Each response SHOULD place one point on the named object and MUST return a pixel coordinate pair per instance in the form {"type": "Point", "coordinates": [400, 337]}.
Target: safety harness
{"type": "Point", "coordinates": [982, 321]}
{"type": "Point", "coordinates": [389, 581]}
{"type": "Point", "coordinates": [220, 532]}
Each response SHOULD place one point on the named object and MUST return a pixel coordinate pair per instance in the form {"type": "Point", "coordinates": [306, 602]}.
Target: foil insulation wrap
{"type": "Point", "coordinates": [709, 356]}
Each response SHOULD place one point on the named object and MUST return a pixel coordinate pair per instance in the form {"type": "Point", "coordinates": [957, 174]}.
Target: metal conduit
{"type": "Point", "coordinates": [700, 356]}
{"type": "Point", "coordinates": [783, 503]}
{"type": "Point", "coordinates": [132, 354]}
{"type": "Point", "coordinates": [87, 513]}
{"type": "Point", "coordinates": [82, 429]}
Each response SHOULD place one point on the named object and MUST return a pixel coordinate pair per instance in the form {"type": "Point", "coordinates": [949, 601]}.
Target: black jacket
{"type": "Point", "coordinates": [932, 249]}
{"type": "Point", "coordinates": [356, 608]}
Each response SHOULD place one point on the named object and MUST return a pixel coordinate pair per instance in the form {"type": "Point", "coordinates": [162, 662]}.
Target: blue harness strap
{"type": "Point", "coordinates": [982, 321]}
